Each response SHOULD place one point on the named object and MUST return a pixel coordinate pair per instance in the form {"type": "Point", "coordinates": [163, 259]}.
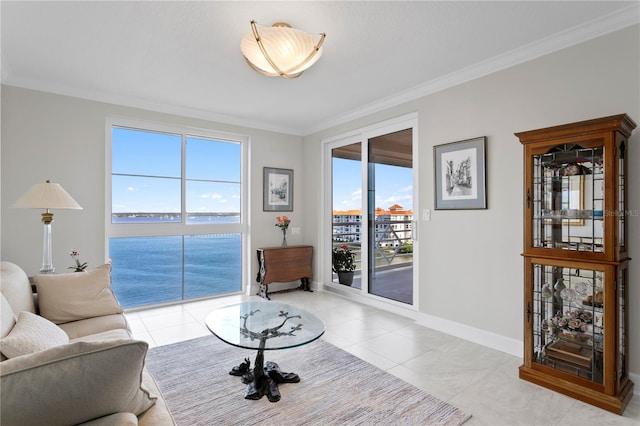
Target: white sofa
{"type": "Point", "coordinates": [68, 355]}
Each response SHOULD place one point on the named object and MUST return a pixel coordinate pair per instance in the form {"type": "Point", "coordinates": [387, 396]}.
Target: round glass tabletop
{"type": "Point", "coordinates": [278, 325]}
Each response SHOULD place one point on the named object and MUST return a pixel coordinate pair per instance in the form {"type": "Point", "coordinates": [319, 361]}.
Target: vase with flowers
{"type": "Point", "coordinates": [283, 224]}
{"type": "Point", "coordinates": [79, 266]}
{"type": "Point", "coordinates": [343, 263]}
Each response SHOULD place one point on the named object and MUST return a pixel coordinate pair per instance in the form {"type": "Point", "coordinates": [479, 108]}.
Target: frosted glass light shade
{"type": "Point", "coordinates": [280, 50]}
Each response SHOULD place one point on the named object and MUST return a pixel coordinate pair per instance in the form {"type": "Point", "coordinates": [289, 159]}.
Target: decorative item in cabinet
{"type": "Point", "coordinates": [576, 264]}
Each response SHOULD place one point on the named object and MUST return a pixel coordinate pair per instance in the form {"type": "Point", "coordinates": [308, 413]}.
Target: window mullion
{"type": "Point", "coordinates": [183, 191]}
{"type": "Point", "coordinates": [183, 201]}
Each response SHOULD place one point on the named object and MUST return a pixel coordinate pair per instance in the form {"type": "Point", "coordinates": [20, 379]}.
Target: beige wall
{"type": "Point", "coordinates": [471, 280]}
{"type": "Point", "coordinates": [471, 270]}
{"type": "Point", "coordinates": [47, 136]}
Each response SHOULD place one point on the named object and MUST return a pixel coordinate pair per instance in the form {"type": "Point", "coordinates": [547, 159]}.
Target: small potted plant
{"type": "Point", "coordinates": [343, 264]}
{"type": "Point", "coordinates": [79, 266]}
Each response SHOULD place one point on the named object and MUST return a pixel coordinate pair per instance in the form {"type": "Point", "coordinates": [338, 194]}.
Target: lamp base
{"type": "Point", "coordinates": [47, 262]}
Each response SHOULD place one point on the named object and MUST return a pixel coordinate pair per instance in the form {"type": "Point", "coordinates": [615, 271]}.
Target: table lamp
{"type": "Point", "coordinates": [47, 196]}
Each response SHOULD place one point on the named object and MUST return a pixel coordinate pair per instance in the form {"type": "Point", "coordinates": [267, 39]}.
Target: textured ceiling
{"type": "Point", "coordinates": [184, 57]}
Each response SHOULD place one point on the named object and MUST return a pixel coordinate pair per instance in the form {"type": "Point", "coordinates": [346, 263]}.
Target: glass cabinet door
{"type": "Point", "coordinates": [568, 199]}
{"type": "Point", "coordinates": [568, 319]}
{"type": "Point", "coordinates": [622, 326]}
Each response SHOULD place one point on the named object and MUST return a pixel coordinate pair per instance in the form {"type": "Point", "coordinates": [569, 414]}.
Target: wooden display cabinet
{"type": "Point", "coordinates": [576, 262]}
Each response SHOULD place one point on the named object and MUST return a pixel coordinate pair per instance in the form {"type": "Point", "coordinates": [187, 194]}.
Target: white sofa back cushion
{"type": "Point", "coordinates": [32, 334]}
{"type": "Point", "coordinates": [75, 296]}
{"type": "Point", "coordinates": [15, 286]}
{"type": "Point", "coordinates": [7, 317]}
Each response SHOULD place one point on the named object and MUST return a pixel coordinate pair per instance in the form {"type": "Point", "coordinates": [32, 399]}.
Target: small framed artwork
{"type": "Point", "coordinates": [278, 190]}
{"type": "Point", "coordinates": [460, 175]}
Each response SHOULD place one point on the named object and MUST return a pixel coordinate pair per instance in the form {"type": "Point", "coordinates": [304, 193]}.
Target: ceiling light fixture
{"type": "Point", "coordinates": [280, 50]}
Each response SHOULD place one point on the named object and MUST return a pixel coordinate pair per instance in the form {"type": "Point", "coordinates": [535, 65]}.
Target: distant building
{"type": "Point", "coordinates": [393, 226]}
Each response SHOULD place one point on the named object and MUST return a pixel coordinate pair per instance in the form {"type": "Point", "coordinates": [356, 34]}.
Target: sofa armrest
{"type": "Point", "coordinates": [117, 419]}
{"type": "Point", "coordinates": [74, 383]}
{"type": "Point", "coordinates": [159, 414]}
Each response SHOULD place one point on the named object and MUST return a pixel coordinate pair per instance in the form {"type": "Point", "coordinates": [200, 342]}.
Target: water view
{"type": "Point", "coordinates": [159, 269]}
{"type": "Point", "coordinates": [191, 218]}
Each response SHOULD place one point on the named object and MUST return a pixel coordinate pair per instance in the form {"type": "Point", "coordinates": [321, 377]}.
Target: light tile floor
{"type": "Point", "coordinates": [481, 381]}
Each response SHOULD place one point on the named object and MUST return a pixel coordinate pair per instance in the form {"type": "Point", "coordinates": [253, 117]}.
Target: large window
{"type": "Point", "coordinates": [175, 203]}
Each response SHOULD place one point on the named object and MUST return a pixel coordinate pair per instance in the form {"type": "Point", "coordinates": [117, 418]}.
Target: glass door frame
{"type": "Point", "coordinates": [363, 135]}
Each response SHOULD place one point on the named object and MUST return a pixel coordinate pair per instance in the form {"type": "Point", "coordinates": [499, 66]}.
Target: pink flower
{"type": "Point", "coordinates": [283, 222]}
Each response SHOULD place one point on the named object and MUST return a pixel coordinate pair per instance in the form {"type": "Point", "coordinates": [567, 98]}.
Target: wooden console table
{"type": "Point", "coordinates": [284, 264]}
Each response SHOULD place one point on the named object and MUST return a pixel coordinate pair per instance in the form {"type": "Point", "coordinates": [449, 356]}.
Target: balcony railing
{"type": "Point", "coordinates": [393, 242]}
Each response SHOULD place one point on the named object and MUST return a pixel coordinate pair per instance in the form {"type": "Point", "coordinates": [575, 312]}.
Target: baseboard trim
{"type": "Point", "coordinates": [635, 378]}
{"type": "Point", "coordinates": [485, 338]}
{"type": "Point", "coordinates": [476, 335]}
{"type": "Point", "coordinates": [472, 334]}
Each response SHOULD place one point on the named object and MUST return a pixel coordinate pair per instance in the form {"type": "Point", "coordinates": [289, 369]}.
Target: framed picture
{"type": "Point", "coordinates": [278, 190]}
{"type": "Point", "coordinates": [460, 175]}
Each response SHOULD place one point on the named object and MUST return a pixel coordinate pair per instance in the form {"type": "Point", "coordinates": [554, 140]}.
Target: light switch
{"type": "Point", "coordinates": [426, 215]}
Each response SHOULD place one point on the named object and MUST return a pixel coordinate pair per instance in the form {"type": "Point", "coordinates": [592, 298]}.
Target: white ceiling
{"type": "Point", "coordinates": [183, 57]}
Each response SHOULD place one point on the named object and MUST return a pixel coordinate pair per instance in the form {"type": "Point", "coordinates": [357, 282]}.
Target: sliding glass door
{"type": "Point", "coordinates": [346, 225]}
{"type": "Point", "coordinates": [390, 212]}
{"type": "Point", "coordinates": [372, 205]}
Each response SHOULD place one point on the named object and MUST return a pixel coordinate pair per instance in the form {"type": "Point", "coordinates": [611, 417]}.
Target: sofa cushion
{"type": "Point", "coordinates": [119, 419]}
{"type": "Point", "coordinates": [7, 320]}
{"type": "Point", "coordinates": [117, 334]}
{"type": "Point", "coordinates": [78, 295]}
{"type": "Point", "coordinates": [74, 383]}
{"type": "Point", "coordinates": [32, 334]}
{"type": "Point", "coordinates": [7, 317]}
{"type": "Point", "coordinates": [90, 326]}
{"type": "Point", "coordinates": [15, 286]}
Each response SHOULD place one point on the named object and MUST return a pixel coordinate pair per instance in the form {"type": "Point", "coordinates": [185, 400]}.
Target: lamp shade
{"type": "Point", "coordinates": [46, 195]}
{"type": "Point", "coordinates": [280, 50]}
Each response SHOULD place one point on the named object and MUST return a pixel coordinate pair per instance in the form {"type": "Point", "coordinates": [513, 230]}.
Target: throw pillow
{"type": "Point", "coordinates": [77, 295]}
{"type": "Point", "coordinates": [75, 383]}
{"type": "Point", "coordinates": [32, 334]}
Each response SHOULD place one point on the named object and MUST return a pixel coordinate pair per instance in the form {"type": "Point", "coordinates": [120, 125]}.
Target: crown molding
{"type": "Point", "coordinates": [581, 33]}
{"type": "Point", "coordinates": [132, 102]}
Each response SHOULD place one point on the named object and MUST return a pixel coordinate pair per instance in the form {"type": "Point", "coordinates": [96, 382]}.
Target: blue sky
{"type": "Point", "coordinates": [213, 173]}
{"type": "Point", "coordinates": [394, 185]}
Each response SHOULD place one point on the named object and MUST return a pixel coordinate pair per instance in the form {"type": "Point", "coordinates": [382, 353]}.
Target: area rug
{"type": "Point", "coordinates": [335, 388]}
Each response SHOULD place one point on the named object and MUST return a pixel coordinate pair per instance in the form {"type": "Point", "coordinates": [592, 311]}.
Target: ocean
{"type": "Point", "coordinates": [152, 270]}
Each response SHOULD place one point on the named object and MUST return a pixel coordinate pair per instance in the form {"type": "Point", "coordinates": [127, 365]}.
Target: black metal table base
{"type": "Point", "coordinates": [263, 380]}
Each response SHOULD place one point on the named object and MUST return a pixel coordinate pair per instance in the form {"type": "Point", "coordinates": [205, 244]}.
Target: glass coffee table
{"type": "Point", "coordinates": [264, 326]}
